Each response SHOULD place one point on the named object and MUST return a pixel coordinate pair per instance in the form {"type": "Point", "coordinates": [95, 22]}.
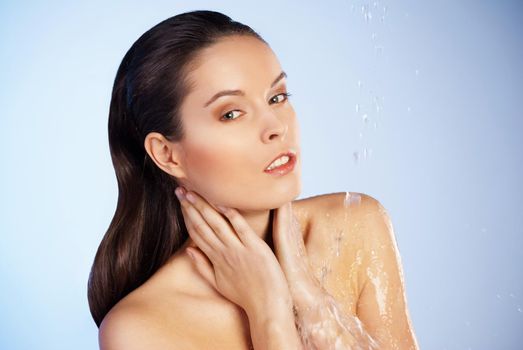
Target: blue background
{"type": "Point", "coordinates": [417, 104]}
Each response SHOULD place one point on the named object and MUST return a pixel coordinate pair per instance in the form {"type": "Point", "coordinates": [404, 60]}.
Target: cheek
{"type": "Point", "coordinates": [217, 170]}
{"type": "Point", "coordinates": [210, 163]}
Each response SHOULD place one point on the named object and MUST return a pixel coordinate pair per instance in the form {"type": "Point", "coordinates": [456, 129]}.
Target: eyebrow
{"type": "Point", "coordinates": [240, 92]}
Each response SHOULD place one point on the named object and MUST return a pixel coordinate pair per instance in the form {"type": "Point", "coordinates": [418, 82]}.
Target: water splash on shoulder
{"type": "Point", "coordinates": [351, 198]}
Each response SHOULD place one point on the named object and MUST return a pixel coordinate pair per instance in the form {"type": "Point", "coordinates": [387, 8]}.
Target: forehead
{"type": "Point", "coordinates": [237, 62]}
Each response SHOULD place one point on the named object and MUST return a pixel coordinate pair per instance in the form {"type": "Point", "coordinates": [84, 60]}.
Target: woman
{"type": "Point", "coordinates": [234, 262]}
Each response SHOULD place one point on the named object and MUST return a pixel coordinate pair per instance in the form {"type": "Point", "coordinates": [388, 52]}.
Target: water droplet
{"type": "Point", "coordinates": [324, 272]}
{"type": "Point", "coordinates": [357, 107]}
{"type": "Point", "coordinates": [365, 118]}
{"type": "Point", "coordinates": [359, 84]}
{"type": "Point", "coordinates": [356, 156]}
{"type": "Point", "coordinates": [338, 239]}
{"type": "Point", "coordinates": [374, 36]}
{"type": "Point", "coordinates": [366, 13]}
{"type": "Point", "coordinates": [375, 125]}
{"type": "Point", "coordinates": [378, 49]}
{"type": "Point", "coordinates": [483, 229]}
{"type": "Point", "coordinates": [361, 135]}
{"type": "Point", "coordinates": [520, 309]}
{"type": "Point", "coordinates": [417, 71]}
{"type": "Point", "coordinates": [377, 104]}
{"type": "Point", "coordinates": [408, 109]}
{"type": "Point", "coordinates": [498, 296]}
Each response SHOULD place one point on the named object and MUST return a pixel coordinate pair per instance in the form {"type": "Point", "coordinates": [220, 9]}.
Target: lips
{"type": "Point", "coordinates": [290, 153]}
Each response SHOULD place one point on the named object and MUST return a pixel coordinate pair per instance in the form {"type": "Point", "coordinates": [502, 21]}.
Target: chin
{"type": "Point", "coordinates": [285, 194]}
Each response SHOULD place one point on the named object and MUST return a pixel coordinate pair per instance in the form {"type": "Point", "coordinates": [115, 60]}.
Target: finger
{"type": "Point", "coordinates": [200, 232]}
{"type": "Point", "coordinates": [282, 223]}
{"type": "Point", "coordinates": [240, 225]}
{"type": "Point", "coordinates": [216, 222]}
{"type": "Point", "coordinates": [203, 265]}
{"type": "Point", "coordinates": [298, 234]}
{"type": "Point", "coordinates": [288, 218]}
{"type": "Point", "coordinates": [195, 236]}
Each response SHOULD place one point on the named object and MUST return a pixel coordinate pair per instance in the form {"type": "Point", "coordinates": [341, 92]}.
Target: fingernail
{"type": "Point", "coordinates": [179, 193]}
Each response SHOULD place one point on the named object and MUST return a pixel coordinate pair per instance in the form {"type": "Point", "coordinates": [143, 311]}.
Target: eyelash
{"type": "Point", "coordinates": [286, 94]}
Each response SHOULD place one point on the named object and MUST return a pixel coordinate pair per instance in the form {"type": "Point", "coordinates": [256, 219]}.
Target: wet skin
{"type": "Point", "coordinates": [349, 241]}
{"type": "Point", "coordinates": [177, 304]}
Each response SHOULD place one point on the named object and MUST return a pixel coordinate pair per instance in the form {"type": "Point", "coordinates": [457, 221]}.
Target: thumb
{"type": "Point", "coordinates": [202, 264]}
{"type": "Point", "coordinates": [284, 231]}
{"type": "Point", "coordinates": [288, 241]}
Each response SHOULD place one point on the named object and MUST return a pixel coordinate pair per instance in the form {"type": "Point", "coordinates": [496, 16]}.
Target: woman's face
{"type": "Point", "coordinates": [229, 142]}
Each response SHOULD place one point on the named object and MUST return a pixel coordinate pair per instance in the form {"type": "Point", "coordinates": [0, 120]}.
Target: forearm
{"type": "Point", "coordinates": [323, 325]}
{"type": "Point", "coordinates": [274, 328]}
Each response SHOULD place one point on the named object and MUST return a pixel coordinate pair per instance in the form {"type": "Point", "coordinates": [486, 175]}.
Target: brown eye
{"type": "Point", "coordinates": [286, 94]}
{"type": "Point", "coordinates": [228, 114]}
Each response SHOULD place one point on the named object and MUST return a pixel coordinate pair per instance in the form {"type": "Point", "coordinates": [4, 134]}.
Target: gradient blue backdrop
{"type": "Point", "coordinates": [417, 104]}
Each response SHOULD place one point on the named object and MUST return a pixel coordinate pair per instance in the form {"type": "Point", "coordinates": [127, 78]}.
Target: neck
{"type": "Point", "coordinates": [184, 275]}
{"type": "Point", "coordinates": [261, 224]}
{"type": "Point", "coordinates": [259, 221]}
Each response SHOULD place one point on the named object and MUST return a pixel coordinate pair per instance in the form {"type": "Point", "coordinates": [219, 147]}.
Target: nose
{"type": "Point", "coordinates": [275, 127]}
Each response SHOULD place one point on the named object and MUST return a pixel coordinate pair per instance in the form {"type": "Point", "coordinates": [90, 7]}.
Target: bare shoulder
{"type": "Point", "coordinates": [132, 324]}
{"type": "Point", "coordinates": [344, 229]}
{"type": "Point", "coordinates": [375, 272]}
{"type": "Point", "coordinates": [341, 208]}
{"type": "Point", "coordinates": [364, 220]}
{"type": "Point", "coordinates": [161, 315]}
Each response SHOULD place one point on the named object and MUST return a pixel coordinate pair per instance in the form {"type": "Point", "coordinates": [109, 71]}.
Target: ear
{"type": "Point", "coordinates": [167, 155]}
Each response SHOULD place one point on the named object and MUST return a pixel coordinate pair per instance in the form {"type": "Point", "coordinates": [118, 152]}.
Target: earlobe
{"type": "Point", "coordinates": [165, 154]}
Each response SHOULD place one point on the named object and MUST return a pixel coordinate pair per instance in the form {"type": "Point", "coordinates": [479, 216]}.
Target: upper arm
{"type": "Point", "coordinates": [382, 304]}
{"type": "Point", "coordinates": [130, 329]}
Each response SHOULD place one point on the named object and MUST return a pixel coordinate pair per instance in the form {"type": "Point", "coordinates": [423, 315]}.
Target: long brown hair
{"type": "Point", "coordinates": [150, 84]}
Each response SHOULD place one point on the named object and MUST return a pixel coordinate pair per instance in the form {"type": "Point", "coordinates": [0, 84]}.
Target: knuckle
{"type": "Point", "coordinates": [200, 227]}
{"type": "Point", "coordinates": [231, 214]}
{"type": "Point", "coordinates": [205, 211]}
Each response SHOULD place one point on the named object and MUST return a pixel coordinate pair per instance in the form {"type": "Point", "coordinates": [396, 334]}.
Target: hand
{"type": "Point", "coordinates": [290, 251]}
{"type": "Point", "coordinates": [242, 266]}
{"type": "Point", "coordinates": [321, 321]}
